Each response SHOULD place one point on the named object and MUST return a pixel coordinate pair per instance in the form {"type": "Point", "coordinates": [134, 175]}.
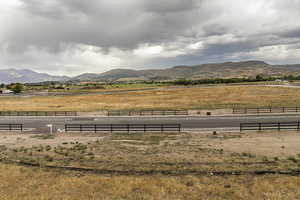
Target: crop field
{"type": "Point", "coordinates": [150, 166]}
{"type": "Point", "coordinates": [160, 98]}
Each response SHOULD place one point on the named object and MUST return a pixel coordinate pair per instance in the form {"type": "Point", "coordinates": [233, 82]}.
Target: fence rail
{"type": "Point", "coordinates": [265, 110]}
{"type": "Point", "coordinates": [38, 113]}
{"type": "Point", "coordinates": [11, 127]}
{"type": "Point", "coordinates": [147, 113]}
{"type": "Point", "coordinates": [270, 126]}
{"type": "Point", "coordinates": [122, 128]}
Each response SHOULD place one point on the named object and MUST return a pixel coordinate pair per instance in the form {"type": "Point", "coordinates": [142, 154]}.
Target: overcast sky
{"type": "Point", "coordinates": [76, 36]}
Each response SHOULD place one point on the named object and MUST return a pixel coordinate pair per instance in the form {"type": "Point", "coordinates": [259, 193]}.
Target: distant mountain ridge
{"type": "Point", "coordinates": [213, 70]}
{"type": "Point", "coordinates": [27, 76]}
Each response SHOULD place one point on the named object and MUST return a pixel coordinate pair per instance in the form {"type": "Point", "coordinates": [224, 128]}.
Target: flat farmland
{"type": "Point", "coordinates": [160, 98]}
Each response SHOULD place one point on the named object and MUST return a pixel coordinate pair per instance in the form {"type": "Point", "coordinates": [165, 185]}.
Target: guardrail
{"type": "Point", "coordinates": [265, 110]}
{"type": "Point", "coordinates": [147, 113]}
{"type": "Point", "coordinates": [270, 126]}
{"type": "Point", "coordinates": [122, 128]}
{"type": "Point", "coordinates": [11, 127]}
{"type": "Point", "coordinates": [38, 113]}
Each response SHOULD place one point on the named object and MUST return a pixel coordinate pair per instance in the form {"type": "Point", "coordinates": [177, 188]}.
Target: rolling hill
{"type": "Point", "coordinates": [27, 76]}
{"type": "Point", "coordinates": [214, 70]}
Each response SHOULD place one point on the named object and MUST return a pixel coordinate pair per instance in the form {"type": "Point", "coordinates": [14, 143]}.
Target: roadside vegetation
{"type": "Point", "coordinates": [44, 184]}
{"type": "Point", "coordinates": [149, 166]}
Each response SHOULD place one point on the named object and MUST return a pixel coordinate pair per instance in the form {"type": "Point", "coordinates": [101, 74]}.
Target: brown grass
{"type": "Point", "coordinates": [180, 98]}
{"type": "Point", "coordinates": [179, 154]}
{"type": "Point", "coordinates": [32, 183]}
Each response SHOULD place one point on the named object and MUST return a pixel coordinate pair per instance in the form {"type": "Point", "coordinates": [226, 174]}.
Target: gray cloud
{"type": "Point", "coordinates": [96, 35]}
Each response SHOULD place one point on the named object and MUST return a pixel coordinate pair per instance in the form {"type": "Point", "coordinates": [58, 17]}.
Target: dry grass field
{"type": "Point", "coordinates": [163, 98]}
{"type": "Point", "coordinates": [150, 166]}
{"type": "Point", "coordinates": [35, 184]}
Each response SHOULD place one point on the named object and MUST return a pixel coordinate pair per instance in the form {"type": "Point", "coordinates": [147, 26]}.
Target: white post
{"type": "Point", "coordinates": [51, 128]}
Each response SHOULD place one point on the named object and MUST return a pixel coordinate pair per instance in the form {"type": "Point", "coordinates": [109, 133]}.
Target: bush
{"type": "Point", "coordinates": [16, 88]}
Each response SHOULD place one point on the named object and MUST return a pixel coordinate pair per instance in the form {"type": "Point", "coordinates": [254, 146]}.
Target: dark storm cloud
{"type": "Point", "coordinates": [146, 32]}
{"type": "Point", "coordinates": [294, 33]}
{"type": "Point", "coordinates": [123, 24]}
{"type": "Point", "coordinates": [171, 5]}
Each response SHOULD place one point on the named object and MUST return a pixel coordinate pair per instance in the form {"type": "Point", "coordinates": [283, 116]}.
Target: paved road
{"type": "Point", "coordinates": [189, 122]}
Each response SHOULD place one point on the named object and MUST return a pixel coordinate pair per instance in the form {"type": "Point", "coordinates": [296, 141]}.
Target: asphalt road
{"type": "Point", "coordinates": [188, 122]}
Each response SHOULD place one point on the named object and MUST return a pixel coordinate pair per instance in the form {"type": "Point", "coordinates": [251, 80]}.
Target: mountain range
{"type": "Point", "coordinates": [213, 70]}
{"type": "Point", "coordinates": [27, 76]}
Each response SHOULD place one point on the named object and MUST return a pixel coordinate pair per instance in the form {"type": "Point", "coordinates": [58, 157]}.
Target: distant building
{"type": "Point", "coordinates": [5, 91]}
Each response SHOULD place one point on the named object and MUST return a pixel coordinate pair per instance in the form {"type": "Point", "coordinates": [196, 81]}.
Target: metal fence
{"type": "Point", "coordinates": [270, 126]}
{"type": "Point", "coordinates": [265, 110]}
{"type": "Point", "coordinates": [38, 113]}
{"type": "Point", "coordinates": [147, 113]}
{"type": "Point", "coordinates": [122, 128]}
{"type": "Point", "coordinates": [11, 127]}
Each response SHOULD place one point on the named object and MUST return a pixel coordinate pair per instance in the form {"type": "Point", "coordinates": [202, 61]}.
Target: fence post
{"type": "Point", "coordinates": [128, 128]}
{"type": "Point", "coordinates": [278, 126]}
{"type": "Point", "coordinates": [111, 128]}
{"type": "Point", "coordinates": [162, 128]}
{"type": "Point", "coordinates": [9, 127]}
{"type": "Point", "coordinates": [95, 127]}
{"type": "Point", "coordinates": [21, 128]}
{"type": "Point", "coordinates": [144, 128]}
{"type": "Point", "coordinates": [80, 127]}
{"type": "Point", "coordinates": [259, 126]}
{"type": "Point", "coordinates": [270, 109]}
{"type": "Point", "coordinates": [283, 110]}
{"type": "Point", "coordinates": [241, 127]}
{"type": "Point", "coordinates": [66, 128]}
{"type": "Point", "coordinates": [179, 128]}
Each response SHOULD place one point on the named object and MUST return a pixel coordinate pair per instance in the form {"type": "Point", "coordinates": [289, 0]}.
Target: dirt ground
{"type": "Point", "coordinates": [279, 144]}
{"type": "Point", "coordinates": [150, 166]}
{"type": "Point", "coordinates": [27, 140]}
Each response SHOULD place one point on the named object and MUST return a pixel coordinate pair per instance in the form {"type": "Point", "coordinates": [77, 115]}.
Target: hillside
{"type": "Point", "coordinates": [26, 76]}
{"type": "Point", "coordinates": [214, 70]}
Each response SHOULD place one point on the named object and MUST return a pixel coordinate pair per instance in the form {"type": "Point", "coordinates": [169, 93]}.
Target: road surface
{"type": "Point", "coordinates": [39, 124]}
